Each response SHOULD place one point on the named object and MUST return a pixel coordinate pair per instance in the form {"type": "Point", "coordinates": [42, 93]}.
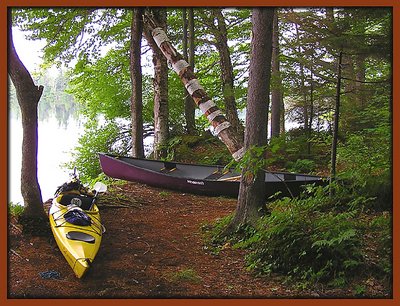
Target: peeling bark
{"type": "Point", "coordinates": [222, 127]}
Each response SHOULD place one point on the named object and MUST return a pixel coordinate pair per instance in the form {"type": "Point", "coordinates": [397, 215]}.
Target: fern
{"type": "Point", "coordinates": [306, 238]}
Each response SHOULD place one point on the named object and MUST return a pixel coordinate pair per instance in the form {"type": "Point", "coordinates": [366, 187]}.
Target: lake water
{"type": "Point", "coordinates": [55, 144]}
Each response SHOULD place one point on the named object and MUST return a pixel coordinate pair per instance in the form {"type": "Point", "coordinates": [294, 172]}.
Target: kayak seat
{"type": "Point", "coordinates": [82, 201]}
{"type": "Point", "coordinates": [75, 235]}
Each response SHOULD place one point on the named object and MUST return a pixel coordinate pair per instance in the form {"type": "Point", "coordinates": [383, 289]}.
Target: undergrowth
{"type": "Point", "coordinates": [318, 238]}
{"type": "Point", "coordinates": [15, 209]}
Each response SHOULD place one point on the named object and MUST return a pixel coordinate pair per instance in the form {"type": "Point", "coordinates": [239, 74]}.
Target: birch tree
{"type": "Point", "coordinates": [222, 127]}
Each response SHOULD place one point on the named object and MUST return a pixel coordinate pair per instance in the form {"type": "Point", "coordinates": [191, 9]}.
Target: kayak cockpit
{"type": "Point", "coordinates": [82, 201]}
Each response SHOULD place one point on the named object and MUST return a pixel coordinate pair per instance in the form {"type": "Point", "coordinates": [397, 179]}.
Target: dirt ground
{"type": "Point", "coordinates": [153, 248]}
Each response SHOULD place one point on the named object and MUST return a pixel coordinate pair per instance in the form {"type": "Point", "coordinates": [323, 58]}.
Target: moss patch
{"type": "Point", "coordinates": [204, 149]}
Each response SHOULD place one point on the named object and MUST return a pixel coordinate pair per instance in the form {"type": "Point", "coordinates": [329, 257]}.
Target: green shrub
{"type": "Point", "coordinates": [380, 229]}
{"type": "Point", "coordinates": [365, 161]}
{"type": "Point", "coordinates": [97, 138]}
{"type": "Point", "coordinates": [298, 152]}
{"type": "Point", "coordinates": [301, 166]}
{"type": "Point", "coordinates": [213, 240]}
{"type": "Point", "coordinates": [204, 149]}
{"type": "Point", "coordinates": [170, 147]}
{"type": "Point", "coordinates": [307, 239]}
{"type": "Point", "coordinates": [15, 209]}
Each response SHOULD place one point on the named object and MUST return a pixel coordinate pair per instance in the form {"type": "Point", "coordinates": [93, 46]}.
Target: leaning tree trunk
{"type": "Point", "coordinates": [251, 201]}
{"type": "Point", "coordinates": [222, 127]}
{"type": "Point", "coordinates": [136, 80]}
{"type": "Point", "coordinates": [28, 95]}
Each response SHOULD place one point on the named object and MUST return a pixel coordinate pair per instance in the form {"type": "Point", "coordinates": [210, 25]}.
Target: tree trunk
{"type": "Point", "coordinates": [303, 82]}
{"type": "Point", "coordinates": [354, 65]}
{"type": "Point", "coordinates": [276, 92]}
{"type": "Point", "coordinates": [336, 119]}
{"type": "Point", "coordinates": [221, 35]}
{"type": "Point", "coordinates": [190, 106]}
{"type": "Point", "coordinates": [282, 126]}
{"type": "Point", "coordinates": [161, 126]}
{"type": "Point", "coordinates": [251, 201]}
{"type": "Point", "coordinates": [136, 79]}
{"type": "Point", "coordinates": [28, 95]}
{"type": "Point", "coordinates": [360, 76]}
{"type": "Point", "coordinates": [222, 127]}
{"type": "Point", "coordinates": [311, 117]}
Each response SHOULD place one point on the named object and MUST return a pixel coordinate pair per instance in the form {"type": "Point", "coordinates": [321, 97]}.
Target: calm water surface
{"type": "Point", "coordinates": [55, 144]}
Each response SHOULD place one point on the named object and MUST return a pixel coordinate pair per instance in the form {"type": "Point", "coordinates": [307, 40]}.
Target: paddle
{"type": "Point", "coordinates": [99, 187]}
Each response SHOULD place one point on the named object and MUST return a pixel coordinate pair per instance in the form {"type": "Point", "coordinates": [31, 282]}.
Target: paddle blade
{"type": "Point", "coordinates": [100, 187]}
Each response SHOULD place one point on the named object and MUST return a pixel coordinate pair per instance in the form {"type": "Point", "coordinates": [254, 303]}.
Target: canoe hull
{"type": "Point", "coordinates": [79, 254]}
{"type": "Point", "coordinates": [129, 169]}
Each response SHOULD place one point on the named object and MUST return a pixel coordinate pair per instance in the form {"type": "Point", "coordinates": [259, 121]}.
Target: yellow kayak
{"type": "Point", "coordinates": [77, 229]}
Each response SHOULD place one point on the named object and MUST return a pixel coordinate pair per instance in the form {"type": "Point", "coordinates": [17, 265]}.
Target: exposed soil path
{"type": "Point", "coordinates": [153, 248]}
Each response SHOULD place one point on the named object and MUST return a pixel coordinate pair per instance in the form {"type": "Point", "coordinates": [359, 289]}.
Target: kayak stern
{"type": "Point", "coordinates": [81, 266]}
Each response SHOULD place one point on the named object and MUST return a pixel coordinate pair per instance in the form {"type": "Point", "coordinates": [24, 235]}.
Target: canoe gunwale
{"type": "Point", "coordinates": [120, 159]}
{"type": "Point", "coordinates": [119, 167]}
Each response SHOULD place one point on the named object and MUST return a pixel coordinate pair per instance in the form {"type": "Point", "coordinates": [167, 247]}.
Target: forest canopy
{"type": "Point", "coordinates": [329, 104]}
{"type": "Point", "coordinates": [96, 50]}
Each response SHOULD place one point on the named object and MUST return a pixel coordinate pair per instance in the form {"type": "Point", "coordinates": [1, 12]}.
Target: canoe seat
{"type": "Point", "coordinates": [289, 177]}
{"type": "Point", "coordinates": [216, 175]}
{"type": "Point", "coordinates": [75, 235]}
{"type": "Point", "coordinates": [168, 167]}
{"type": "Point", "coordinates": [82, 201]}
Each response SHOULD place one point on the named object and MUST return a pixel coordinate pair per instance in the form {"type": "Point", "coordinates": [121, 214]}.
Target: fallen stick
{"type": "Point", "coordinates": [16, 227]}
{"type": "Point", "coordinates": [18, 255]}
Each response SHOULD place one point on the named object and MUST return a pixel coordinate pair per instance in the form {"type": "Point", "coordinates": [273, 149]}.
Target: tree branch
{"type": "Point", "coordinates": [366, 82]}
